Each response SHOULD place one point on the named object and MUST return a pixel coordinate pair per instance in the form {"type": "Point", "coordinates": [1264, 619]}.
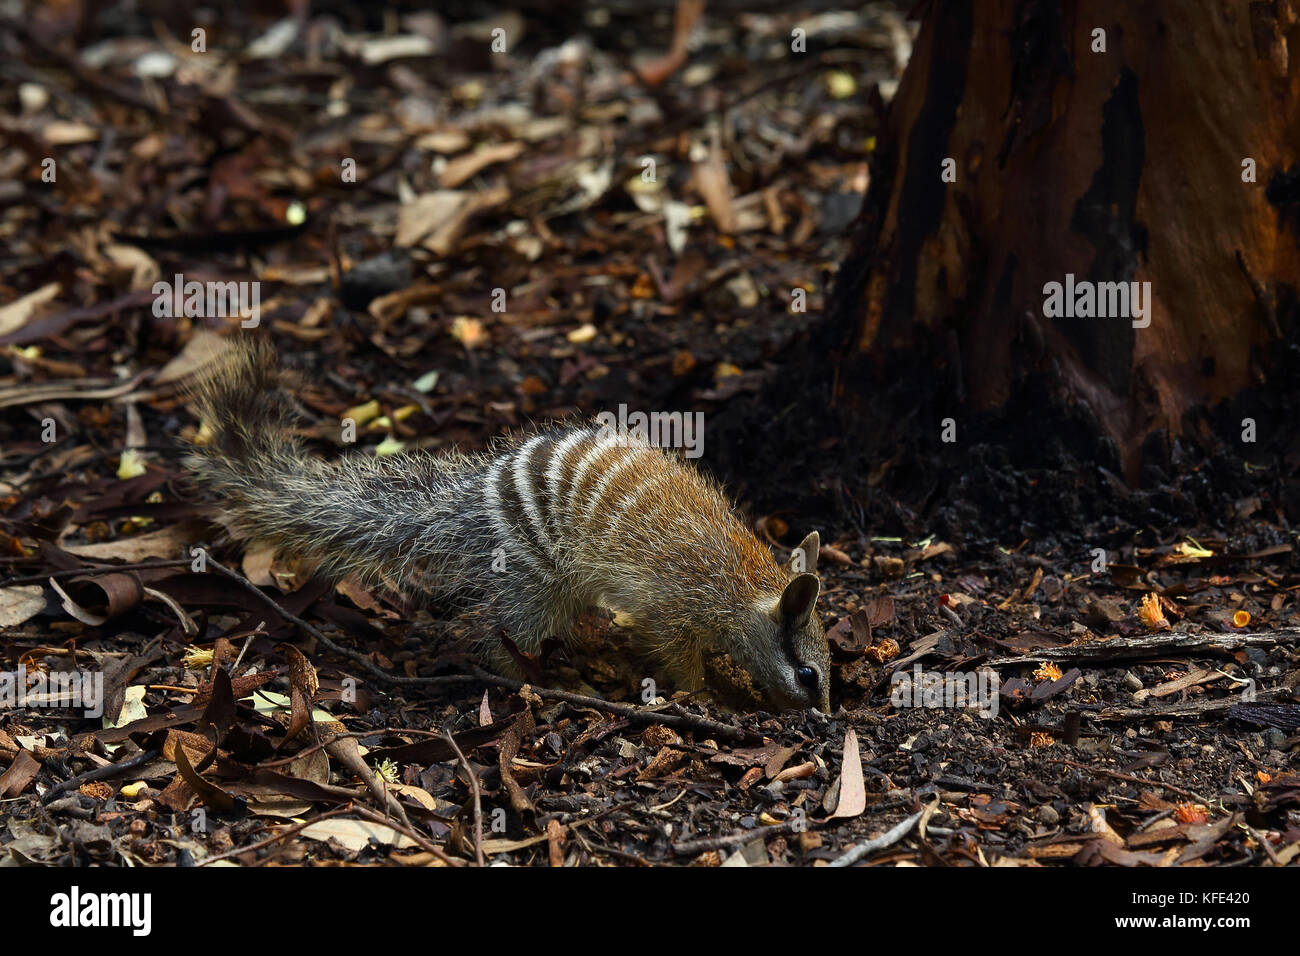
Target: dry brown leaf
{"type": "Point", "coordinates": [19, 604]}
{"type": "Point", "coordinates": [436, 220]}
{"type": "Point", "coordinates": [17, 313]}
{"type": "Point", "coordinates": [421, 796]}
{"type": "Point", "coordinates": [714, 185]}
{"type": "Point", "coordinates": [853, 789]}
{"type": "Point", "coordinates": [462, 168]}
{"type": "Point", "coordinates": [203, 348]}
{"type": "Point", "coordinates": [835, 555]}
{"type": "Point", "coordinates": [354, 835]}
{"type": "Point", "coordinates": [256, 565]}
{"type": "Point", "coordinates": [142, 266]}
{"type": "Point", "coordinates": [169, 542]}
{"type": "Point", "coordinates": [303, 685]}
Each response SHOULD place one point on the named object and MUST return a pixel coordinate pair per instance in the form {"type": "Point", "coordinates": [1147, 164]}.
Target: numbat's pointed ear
{"type": "Point", "coordinates": [804, 557]}
{"type": "Point", "coordinates": [798, 600]}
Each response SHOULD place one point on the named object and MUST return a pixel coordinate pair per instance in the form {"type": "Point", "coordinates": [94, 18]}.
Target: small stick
{"type": "Point", "coordinates": [594, 848]}
{"type": "Point", "coordinates": [275, 837]}
{"type": "Point", "coordinates": [636, 714]}
{"type": "Point", "coordinates": [408, 831]}
{"type": "Point", "coordinates": [1120, 648]}
{"type": "Point", "coordinates": [479, 858]}
{"type": "Point", "coordinates": [73, 572]}
{"type": "Point", "coordinates": [693, 847]}
{"type": "Point", "coordinates": [1263, 842]}
{"type": "Point", "coordinates": [1131, 779]}
{"type": "Point", "coordinates": [100, 773]}
{"type": "Point", "coordinates": [886, 839]}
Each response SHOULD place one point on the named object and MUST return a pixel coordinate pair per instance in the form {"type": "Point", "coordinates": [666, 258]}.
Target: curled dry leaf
{"type": "Point", "coordinates": [103, 596]}
{"type": "Point", "coordinates": [76, 610]}
{"type": "Point", "coordinates": [303, 686]}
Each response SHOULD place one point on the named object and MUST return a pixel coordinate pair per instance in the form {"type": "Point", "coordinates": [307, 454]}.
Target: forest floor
{"type": "Point", "coordinates": [1139, 705]}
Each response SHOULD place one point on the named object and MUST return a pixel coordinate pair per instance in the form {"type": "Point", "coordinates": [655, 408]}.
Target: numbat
{"type": "Point", "coordinates": [525, 537]}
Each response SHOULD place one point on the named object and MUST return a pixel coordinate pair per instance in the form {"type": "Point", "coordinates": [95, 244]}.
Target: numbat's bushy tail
{"type": "Point", "coordinates": [527, 536]}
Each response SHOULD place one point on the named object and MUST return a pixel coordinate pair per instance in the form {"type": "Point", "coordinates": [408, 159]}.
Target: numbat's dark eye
{"type": "Point", "coordinates": [807, 676]}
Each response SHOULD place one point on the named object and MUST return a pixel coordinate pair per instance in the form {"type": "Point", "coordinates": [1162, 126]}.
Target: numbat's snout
{"type": "Point", "coordinates": [525, 537]}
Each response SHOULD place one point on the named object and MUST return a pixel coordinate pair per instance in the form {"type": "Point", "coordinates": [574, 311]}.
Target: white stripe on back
{"type": "Point", "coordinates": [624, 461]}
{"type": "Point", "coordinates": [497, 509]}
{"type": "Point", "coordinates": [524, 488]}
{"type": "Point", "coordinates": [555, 469]}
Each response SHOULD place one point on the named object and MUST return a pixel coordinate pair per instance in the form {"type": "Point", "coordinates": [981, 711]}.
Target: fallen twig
{"type": "Point", "coordinates": [275, 837]}
{"type": "Point", "coordinates": [708, 844]}
{"type": "Point", "coordinates": [1128, 778]}
{"type": "Point", "coordinates": [408, 831]}
{"type": "Point", "coordinates": [479, 858]}
{"type": "Point", "coordinates": [1199, 708]}
{"type": "Point", "coordinates": [100, 773]}
{"type": "Point", "coordinates": [636, 714]}
{"type": "Point", "coordinates": [1149, 645]}
{"type": "Point", "coordinates": [888, 838]}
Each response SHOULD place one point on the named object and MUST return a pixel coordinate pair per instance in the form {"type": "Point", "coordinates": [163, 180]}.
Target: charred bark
{"type": "Point", "coordinates": [1080, 158]}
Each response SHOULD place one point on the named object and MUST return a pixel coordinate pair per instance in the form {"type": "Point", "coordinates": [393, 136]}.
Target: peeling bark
{"type": "Point", "coordinates": [1116, 166]}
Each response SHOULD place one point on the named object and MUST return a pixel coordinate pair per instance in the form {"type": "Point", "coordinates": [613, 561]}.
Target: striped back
{"type": "Point", "coordinates": [588, 504]}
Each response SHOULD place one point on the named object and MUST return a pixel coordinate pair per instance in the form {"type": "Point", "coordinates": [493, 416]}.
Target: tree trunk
{"type": "Point", "coordinates": [1074, 165]}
